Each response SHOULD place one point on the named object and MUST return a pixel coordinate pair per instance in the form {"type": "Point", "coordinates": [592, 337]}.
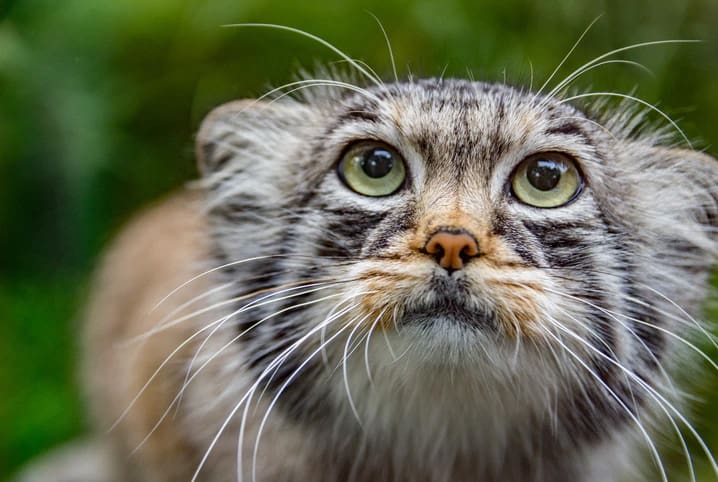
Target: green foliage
{"type": "Point", "coordinates": [99, 102]}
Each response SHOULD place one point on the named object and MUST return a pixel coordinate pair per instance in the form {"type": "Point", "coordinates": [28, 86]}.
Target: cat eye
{"type": "Point", "coordinates": [372, 169]}
{"type": "Point", "coordinates": [546, 180]}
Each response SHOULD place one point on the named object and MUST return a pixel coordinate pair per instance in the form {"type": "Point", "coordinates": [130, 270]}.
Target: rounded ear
{"type": "Point", "coordinates": [694, 175]}
{"type": "Point", "coordinates": [248, 129]}
{"type": "Point", "coordinates": [214, 130]}
{"type": "Point", "coordinates": [673, 201]}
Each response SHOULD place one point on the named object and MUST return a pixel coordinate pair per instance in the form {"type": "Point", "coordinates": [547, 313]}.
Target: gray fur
{"type": "Point", "coordinates": [550, 357]}
{"type": "Point", "coordinates": [459, 403]}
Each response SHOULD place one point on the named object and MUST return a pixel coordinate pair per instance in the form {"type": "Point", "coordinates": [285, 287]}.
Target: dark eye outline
{"type": "Point", "coordinates": [377, 144]}
{"type": "Point", "coordinates": [547, 154]}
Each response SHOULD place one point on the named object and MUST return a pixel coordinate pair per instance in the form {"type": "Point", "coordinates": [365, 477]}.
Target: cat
{"type": "Point", "coordinates": [426, 280]}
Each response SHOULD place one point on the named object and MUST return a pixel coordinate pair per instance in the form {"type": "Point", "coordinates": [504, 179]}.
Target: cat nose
{"type": "Point", "coordinates": [452, 249]}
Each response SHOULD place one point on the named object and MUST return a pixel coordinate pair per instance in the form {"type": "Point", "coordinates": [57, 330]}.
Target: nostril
{"type": "Point", "coordinates": [437, 251]}
{"type": "Point", "coordinates": [466, 254]}
{"type": "Point", "coordinates": [452, 249]}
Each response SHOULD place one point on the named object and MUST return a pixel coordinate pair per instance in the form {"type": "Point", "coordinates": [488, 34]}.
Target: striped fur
{"type": "Point", "coordinates": [319, 341]}
{"type": "Point", "coordinates": [483, 387]}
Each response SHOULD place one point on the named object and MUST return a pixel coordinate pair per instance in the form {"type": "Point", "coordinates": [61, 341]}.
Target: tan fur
{"type": "Point", "coordinates": [158, 252]}
{"type": "Point", "coordinates": [154, 255]}
{"type": "Point", "coordinates": [501, 387]}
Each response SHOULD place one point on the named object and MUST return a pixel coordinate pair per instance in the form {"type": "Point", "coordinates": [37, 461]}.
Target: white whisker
{"type": "Point", "coordinates": [566, 57]}
{"type": "Point", "coordinates": [323, 42]}
{"type": "Point", "coordinates": [366, 345]}
{"type": "Point", "coordinates": [651, 445]}
{"type": "Point", "coordinates": [637, 100]}
{"type": "Point", "coordinates": [660, 399]}
{"type": "Point", "coordinates": [214, 270]}
{"type": "Point", "coordinates": [187, 341]}
{"type": "Point", "coordinates": [388, 46]}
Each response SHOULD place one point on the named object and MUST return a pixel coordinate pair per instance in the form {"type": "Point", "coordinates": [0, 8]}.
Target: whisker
{"type": "Point", "coordinates": [660, 399]}
{"type": "Point", "coordinates": [671, 420]}
{"type": "Point", "coordinates": [614, 317]}
{"type": "Point", "coordinates": [302, 84]}
{"type": "Point", "coordinates": [386, 339]}
{"type": "Point", "coordinates": [291, 286]}
{"type": "Point", "coordinates": [256, 303]}
{"type": "Point", "coordinates": [625, 49]}
{"type": "Point", "coordinates": [276, 362]}
{"type": "Point", "coordinates": [531, 79]}
{"type": "Point", "coordinates": [678, 307]}
{"type": "Point", "coordinates": [344, 362]}
{"type": "Point", "coordinates": [214, 270]}
{"type": "Point", "coordinates": [215, 355]}
{"type": "Point", "coordinates": [360, 62]}
{"type": "Point", "coordinates": [654, 451]}
{"type": "Point", "coordinates": [281, 390]}
{"type": "Point", "coordinates": [691, 345]}
{"type": "Point", "coordinates": [192, 301]}
{"type": "Point", "coordinates": [366, 345]}
{"type": "Point", "coordinates": [388, 46]}
{"type": "Point", "coordinates": [690, 321]}
{"type": "Point", "coordinates": [637, 100]}
{"type": "Point", "coordinates": [566, 57]}
{"type": "Point", "coordinates": [189, 339]}
{"type": "Point", "coordinates": [332, 315]}
{"type": "Point", "coordinates": [323, 42]}
{"type": "Point", "coordinates": [567, 81]}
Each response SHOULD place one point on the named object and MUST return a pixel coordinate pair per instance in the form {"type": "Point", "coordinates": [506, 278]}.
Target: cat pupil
{"type": "Point", "coordinates": [377, 163]}
{"type": "Point", "coordinates": [544, 174]}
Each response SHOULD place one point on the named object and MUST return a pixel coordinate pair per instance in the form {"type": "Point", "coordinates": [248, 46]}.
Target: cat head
{"type": "Point", "coordinates": [473, 225]}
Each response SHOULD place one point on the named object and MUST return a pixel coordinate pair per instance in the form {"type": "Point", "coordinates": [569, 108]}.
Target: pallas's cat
{"type": "Point", "coordinates": [426, 280]}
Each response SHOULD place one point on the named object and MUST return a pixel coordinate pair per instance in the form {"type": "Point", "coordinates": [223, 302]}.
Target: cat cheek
{"type": "Point", "coordinates": [381, 297]}
{"type": "Point", "coordinates": [519, 307]}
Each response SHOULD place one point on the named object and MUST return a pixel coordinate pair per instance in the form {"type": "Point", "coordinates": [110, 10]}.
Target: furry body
{"type": "Point", "coordinates": [544, 359]}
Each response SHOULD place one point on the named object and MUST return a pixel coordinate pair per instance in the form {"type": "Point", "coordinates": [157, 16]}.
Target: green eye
{"type": "Point", "coordinates": [546, 180]}
{"type": "Point", "coordinates": [372, 169]}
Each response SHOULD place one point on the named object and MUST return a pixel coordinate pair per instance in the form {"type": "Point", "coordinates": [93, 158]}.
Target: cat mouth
{"type": "Point", "coordinates": [448, 303]}
{"type": "Point", "coordinates": [439, 315]}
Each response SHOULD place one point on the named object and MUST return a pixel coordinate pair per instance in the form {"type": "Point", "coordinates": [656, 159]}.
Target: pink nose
{"type": "Point", "coordinates": [452, 249]}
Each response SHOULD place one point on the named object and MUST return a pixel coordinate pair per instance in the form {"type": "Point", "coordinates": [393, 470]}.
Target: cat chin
{"type": "Point", "coordinates": [448, 339]}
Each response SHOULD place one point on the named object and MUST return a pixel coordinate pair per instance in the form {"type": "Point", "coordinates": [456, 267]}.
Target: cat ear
{"type": "Point", "coordinates": [692, 177]}
{"type": "Point", "coordinates": [674, 200]}
{"type": "Point", "coordinates": [243, 132]}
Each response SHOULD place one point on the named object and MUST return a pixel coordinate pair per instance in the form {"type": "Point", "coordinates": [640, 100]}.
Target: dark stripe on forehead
{"type": "Point", "coordinates": [360, 113]}
{"type": "Point", "coordinates": [358, 116]}
{"type": "Point", "coordinates": [568, 129]}
{"type": "Point", "coordinates": [497, 142]}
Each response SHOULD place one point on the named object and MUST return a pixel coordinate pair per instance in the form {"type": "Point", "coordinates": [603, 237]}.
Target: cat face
{"type": "Point", "coordinates": [461, 226]}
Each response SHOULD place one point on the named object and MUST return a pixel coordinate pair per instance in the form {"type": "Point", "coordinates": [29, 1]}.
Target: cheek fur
{"type": "Point", "coordinates": [517, 296]}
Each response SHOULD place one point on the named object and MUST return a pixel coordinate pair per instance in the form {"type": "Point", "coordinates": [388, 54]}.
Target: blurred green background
{"type": "Point", "coordinates": [100, 99]}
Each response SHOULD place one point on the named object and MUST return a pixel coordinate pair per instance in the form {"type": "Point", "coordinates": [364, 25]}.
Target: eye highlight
{"type": "Point", "coordinates": [372, 169]}
{"type": "Point", "coordinates": [546, 180]}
